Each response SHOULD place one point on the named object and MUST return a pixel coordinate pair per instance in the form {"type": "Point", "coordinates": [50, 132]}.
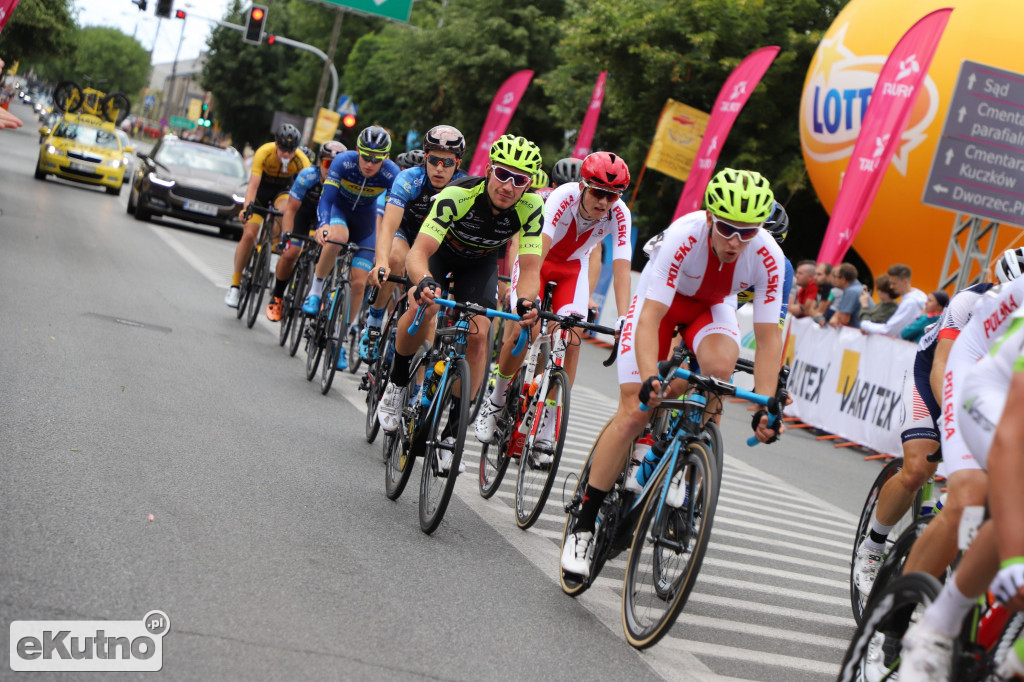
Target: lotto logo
{"type": "Point", "coordinates": [89, 645]}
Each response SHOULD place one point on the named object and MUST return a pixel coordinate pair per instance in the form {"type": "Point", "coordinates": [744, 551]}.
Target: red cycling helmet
{"type": "Point", "coordinates": [605, 170]}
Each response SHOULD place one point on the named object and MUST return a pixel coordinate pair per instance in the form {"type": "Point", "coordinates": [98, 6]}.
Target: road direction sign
{"type": "Point", "coordinates": [398, 10]}
{"type": "Point", "coordinates": [179, 122]}
{"type": "Point", "coordinates": [150, 101]}
{"type": "Point", "coordinates": [978, 167]}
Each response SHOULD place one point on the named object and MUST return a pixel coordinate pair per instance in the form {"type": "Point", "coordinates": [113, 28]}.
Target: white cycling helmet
{"type": "Point", "coordinates": [1010, 265]}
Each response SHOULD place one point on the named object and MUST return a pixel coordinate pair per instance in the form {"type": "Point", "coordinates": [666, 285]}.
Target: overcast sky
{"type": "Point", "coordinates": [125, 16]}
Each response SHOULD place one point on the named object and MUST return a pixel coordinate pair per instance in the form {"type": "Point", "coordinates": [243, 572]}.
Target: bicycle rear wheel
{"type": "Point", "coordinates": [874, 652]}
{"type": "Point", "coordinates": [668, 548]}
{"type": "Point", "coordinates": [494, 456]}
{"type": "Point", "coordinates": [716, 446]}
{"type": "Point", "coordinates": [303, 276]}
{"type": "Point", "coordinates": [258, 287]}
{"type": "Point", "coordinates": [495, 334]}
{"type": "Point", "coordinates": [289, 309]}
{"type": "Point", "coordinates": [354, 332]}
{"type": "Point", "coordinates": [399, 454]}
{"type": "Point", "coordinates": [245, 285]}
{"type": "Point", "coordinates": [334, 335]}
{"type": "Point", "coordinates": [377, 378]}
{"type": "Point", "coordinates": [436, 485]}
{"type": "Point", "coordinates": [536, 476]}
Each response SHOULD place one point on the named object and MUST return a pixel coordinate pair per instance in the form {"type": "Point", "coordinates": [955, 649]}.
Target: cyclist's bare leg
{"type": "Point", "coordinates": [329, 254]}
{"type": "Point", "coordinates": [898, 493]}
{"type": "Point", "coordinates": [717, 355]}
{"type": "Point", "coordinates": [249, 233]}
{"type": "Point", "coordinates": [406, 343]}
{"type": "Point", "coordinates": [937, 546]}
{"type": "Point", "coordinates": [279, 203]}
{"type": "Point", "coordinates": [396, 266]}
{"type": "Point", "coordinates": [286, 263]}
{"type": "Point", "coordinates": [980, 562]}
{"type": "Point", "coordinates": [358, 277]}
{"type": "Point", "coordinates": [477, 349]}
{"type": "Point", "coordinates": [612, 447]}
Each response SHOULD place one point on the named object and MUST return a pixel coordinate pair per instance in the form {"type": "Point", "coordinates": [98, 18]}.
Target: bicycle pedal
{"type": "Point", "coordinates": [364, 385]}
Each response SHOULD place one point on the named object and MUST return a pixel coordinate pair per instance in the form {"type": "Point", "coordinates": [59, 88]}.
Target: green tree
{"type": "Point", "coordinates": [108, 60]}
{"type": "Point", "coordinates": [685, 49]}
{"type": "Point", "coordinates": [38, 29]}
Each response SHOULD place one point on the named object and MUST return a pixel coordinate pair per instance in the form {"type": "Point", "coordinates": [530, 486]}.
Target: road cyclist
{"type": "Point", "coordinates": [469, 223]}
{"type": "Point", "coordinates": [274, 166]}
{"type": "Point", "coordinates": [696, 268]}
{"type": "Point", "coordinates": [346, 214]}
{"type": "Point", "coordinates": [408, 203]}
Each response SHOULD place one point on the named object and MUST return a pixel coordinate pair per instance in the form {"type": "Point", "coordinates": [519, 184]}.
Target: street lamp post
{"type": "Point", "coordinates": [173, 86]}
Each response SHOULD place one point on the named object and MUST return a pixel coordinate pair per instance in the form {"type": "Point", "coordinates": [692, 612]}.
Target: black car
{"type": "Point", "coordinates": [191, 181]}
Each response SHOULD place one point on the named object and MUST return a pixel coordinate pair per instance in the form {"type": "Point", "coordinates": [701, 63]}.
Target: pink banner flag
{"type": "Point", "coordinates": [502, 107]}
{"type": "Point", "coordinates": [731, 99]}
{"type": "Point", "coordinates": [6, 10]}
{"type": "Point", "coordinates": [888, 112]}
{"type": "Point", "coordinates": [586, 136]}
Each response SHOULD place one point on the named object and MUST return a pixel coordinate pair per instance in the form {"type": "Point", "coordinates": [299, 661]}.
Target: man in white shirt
{"type": "Point", "coordinates": [911, 304]}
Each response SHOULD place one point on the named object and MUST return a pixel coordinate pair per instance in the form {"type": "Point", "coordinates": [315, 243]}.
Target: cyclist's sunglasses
{"type": "Point", "coordinates": [503, 175]}
{"type": "Point", "coordinates": [370, 158]}
{"type": "Point", "coordinates": [728, 230]}
{"type": "Point", "coordinates": [600, 193]}
{"type": "Point", "coordinates": [434, 160]}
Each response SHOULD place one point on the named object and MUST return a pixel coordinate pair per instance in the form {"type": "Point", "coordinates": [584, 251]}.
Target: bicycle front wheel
{"type": "Point", "coordinates": [494, 456]}
{"type": "Point", "coordinates": [258, 287]}
{"type": "Point", "coordinates": [377, 378]}
{"type": "Point", "coordinates": [245, 285]}
{"type": "Point", "coordinates": [874, 652]}
{"type": "Point", "coordinates": [668, 547]}
{"type": "Point", "coordinates": [290, 313]}
{"type": "Point", "coordinates": [445, 440]}
{"type": "Point", "coordinates": [334, 335]}
{"type": "Point", "coordinates": [538, 465]}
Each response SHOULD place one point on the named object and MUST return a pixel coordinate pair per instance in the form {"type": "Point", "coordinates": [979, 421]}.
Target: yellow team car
{"type": "Point", "coordinates": [84, 148]}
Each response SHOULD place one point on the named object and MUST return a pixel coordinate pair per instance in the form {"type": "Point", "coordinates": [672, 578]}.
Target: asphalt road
{"type": "Point", "coordinates": [130, 390]}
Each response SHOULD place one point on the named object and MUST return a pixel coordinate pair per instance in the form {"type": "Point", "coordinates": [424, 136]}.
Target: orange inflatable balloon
{"type": "Point", "coordinates": [899, 228]}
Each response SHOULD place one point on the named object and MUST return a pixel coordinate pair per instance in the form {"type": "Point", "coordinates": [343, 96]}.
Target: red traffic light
{"type": "Point", "coordinates": [179, 14]}
{"type": "Point", "coordinates": [348, 120]}
{"type": "Point", "coordinates": [271, 39]}
{"type": "Point", "coordinates": [257, 14]}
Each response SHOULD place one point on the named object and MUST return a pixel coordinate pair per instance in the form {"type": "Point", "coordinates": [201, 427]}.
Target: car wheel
{"type": "Point", "coordinates": [39, 175]}
{"type": "Point", "coordinates": [141, 212]}
{"type": "Point", "coordinates": [131, 201]}
{"type": "Point", "coordinates": [116, 191]}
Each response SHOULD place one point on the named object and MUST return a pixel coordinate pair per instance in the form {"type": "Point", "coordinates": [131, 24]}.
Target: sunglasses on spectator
{"type": "Point", "coordinates": [503, 175]}
{"type": "Point", "coordinates": [728, 230]}
{"type": "Point", "coordinates": [434, 160]}
{"type": "Point", "coordinates": [603, 194]}
{"type": "Point", "coordinates": [368, 158]}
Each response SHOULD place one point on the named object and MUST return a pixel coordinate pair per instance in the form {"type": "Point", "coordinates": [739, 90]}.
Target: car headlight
{"type": "Point", "coordinates": [115, 163]}
{"type": "Point", "coordinates": [50, 149]}
{"type": "Point", "coordinates": [157, 180]}
{"type": "Point", "coordinates": [239, 199]}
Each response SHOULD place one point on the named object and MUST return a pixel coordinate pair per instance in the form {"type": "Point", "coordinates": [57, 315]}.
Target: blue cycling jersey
{"type": "Point", "coordinates": [306, 189]}
{"type": "Point", "coordinates": [413, 193]}
{"type": "Point", "coordinates": [351, 191]}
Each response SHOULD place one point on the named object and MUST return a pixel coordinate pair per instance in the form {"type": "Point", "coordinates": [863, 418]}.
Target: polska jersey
{"type": "Point", "coordinates": [573, 238]}
{"type": "Point", "coordinates": [464, 224]}
{"type": "Point", "coordinates": [684, 263]}
{"type": "Point", "coordinates": [349, 189]}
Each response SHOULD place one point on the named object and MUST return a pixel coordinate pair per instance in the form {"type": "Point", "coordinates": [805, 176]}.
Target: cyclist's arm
{"type": "Point", "coordinates": [251, 188]}
{"type": "Point", "coordinates": [942, 347]}
{"type": "Point", "coordinates": [646, 335]}
{"type": "Point", "coordinates": [621, 283]}
{"type": "Point", "coordinates": [290, 209]}
{"type": "Point", "coordinates": [545, 245]}
{"type": "Point", "coordinates": [528, 286]}
{"type": "Point", "coordinates": [419, 255]}
{"type": "Point", "coordinates": [767, 356]}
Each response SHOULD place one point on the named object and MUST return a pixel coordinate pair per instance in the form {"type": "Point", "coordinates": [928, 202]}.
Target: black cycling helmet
{"type": "Point", "coordinates": [328, 150]}
{"type": "Point", "coordinates": [288, 137]}
{"type": "Point", "coordinates": [567, 170]}
{"type": "Point", "coordinates": [414, 157]}
{"type": "Point", "coordinates": [778, 223]}
{"type": "Point", "coordinates": [402, 160]}
{"type": "Point", "coordinates": [374, 139]}
{"type": "Point", "coordinates": [445, 138]}
{"type": "Point", "coordinates": [307, 151]}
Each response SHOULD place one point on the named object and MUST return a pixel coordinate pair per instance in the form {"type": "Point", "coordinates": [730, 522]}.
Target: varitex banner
{"type": "Point", "coordinates": [881, 131]}
{"type": "Point", "coordinates": [849, 383]}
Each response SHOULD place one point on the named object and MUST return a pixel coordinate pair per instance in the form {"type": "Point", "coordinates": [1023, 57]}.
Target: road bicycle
{"type": "Point", "coordinates": [540, 390]}
{"type": "Point", "coordinates": [902, 535]}
{"type": "Point", "coordinates": [293, 322]}
{"type": "Point", "coordinates": [496, 334]}
{"type": "Point", "coordinates": [986, 635]}
{"type": "Point", "coordinates": [327, 329]}
{"type": "Point", "coordinates": [436, 415]}
{"type": "Point", "coordinates": [666, 526]}
{"type": "Point", "coordinates": [383, 351]}
{"type": "Point", "coordinates": [256, 273]}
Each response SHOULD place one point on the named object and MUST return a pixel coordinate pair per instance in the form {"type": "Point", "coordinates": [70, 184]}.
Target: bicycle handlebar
{"type": "Point", "coordinates": [264, 211]}
{"type": "Point", "coordinates": [475, 309]}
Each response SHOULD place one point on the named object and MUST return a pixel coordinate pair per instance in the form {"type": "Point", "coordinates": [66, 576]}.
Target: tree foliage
{"type": "Point", "coordinates": [38, 29]}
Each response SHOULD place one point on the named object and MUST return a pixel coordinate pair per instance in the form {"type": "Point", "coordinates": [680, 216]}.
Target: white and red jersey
{"type": "Point", "coordinates": [683, 263]}
{"type": "Point", "coordinates": [572, 237]}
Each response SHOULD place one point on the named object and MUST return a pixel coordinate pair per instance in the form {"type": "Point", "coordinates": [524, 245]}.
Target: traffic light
{"type": "Point", "coordinates": [204, 116]}
{"type": "Point", "coordinates": [141, 4]}
{"type": "Point", "coordinates": [254, 24]}
{"type": "Point", "coordinates": [271, 39]}
{"type": "Point", "coordinates": [348, 120]}
{"type": "Point", "coordinates": [179, 14]}
{"type": "Point", "coordinates": [163, 8]}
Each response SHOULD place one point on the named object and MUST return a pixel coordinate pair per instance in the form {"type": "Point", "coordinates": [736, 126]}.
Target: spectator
{"type": "Point", "coordinates": [869, 312]}
{"type": "Point", "coordinates": [847, 297]}
{"type": "Point", "coordinates": [822, 300]}
{"type": "Point", "coordinates": [936, 303]}
{"type": "Point", "coordinates": [911, 303]}
{"type": "Point", "coordinates": [802, 304]}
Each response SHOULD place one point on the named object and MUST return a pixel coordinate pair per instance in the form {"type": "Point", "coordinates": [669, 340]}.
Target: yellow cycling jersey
{"type": "Point", "coordinates": [266, 164]}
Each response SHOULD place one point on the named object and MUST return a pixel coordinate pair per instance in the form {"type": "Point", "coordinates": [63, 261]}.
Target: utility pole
{"type": "Point", "coordinates": [328, 64]}
{"type": "Point", "coordinates": [174, 71]}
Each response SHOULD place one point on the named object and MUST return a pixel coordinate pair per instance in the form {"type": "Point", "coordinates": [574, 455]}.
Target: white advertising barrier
{"type": "Point", "coordinates": [849, 383]}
